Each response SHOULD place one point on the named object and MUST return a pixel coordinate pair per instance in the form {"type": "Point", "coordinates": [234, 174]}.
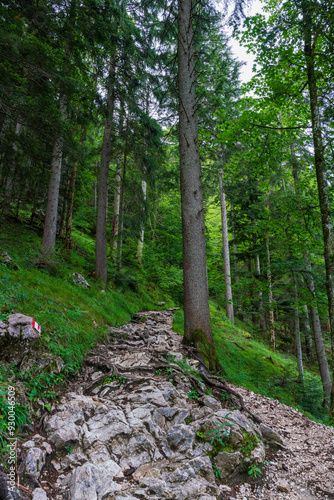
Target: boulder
{"type": "Point", "coordinates": [7, 260]}
{"type": "Point", "coordinates": [17, 338]}
{"type": "Point", "coordinates": [39, 362]}
{"type": "Point", "coordinates": [79, 280]}
{"type": "Point", "coordinates": [39, 494]}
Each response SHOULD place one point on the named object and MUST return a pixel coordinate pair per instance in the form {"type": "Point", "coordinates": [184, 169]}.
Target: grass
{"type": "Point", "coordinates": [251, 364]}
{"type": "Point", "coordinates": [72, 318]}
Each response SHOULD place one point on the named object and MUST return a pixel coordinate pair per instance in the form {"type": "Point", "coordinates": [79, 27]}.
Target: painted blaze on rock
{"type": "Point", "coordinates": [17, 337]}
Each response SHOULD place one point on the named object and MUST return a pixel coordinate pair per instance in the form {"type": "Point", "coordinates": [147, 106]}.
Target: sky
{"type": "Point", "coordinates": [241, 52]}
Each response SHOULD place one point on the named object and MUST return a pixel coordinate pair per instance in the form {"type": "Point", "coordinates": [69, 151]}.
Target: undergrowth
{"type": "Point", "coordinates": [251, 364]}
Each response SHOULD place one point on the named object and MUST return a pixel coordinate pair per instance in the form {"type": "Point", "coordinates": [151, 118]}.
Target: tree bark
{"type": "Point", "coordinates": [308, 335]}
{"type": "Point", "coordinates": [270, 298]}
{"type": "Point", "coordinates": [70, 202]}
{"type": "Point", "coordinates": [50, 223]}
{"type": "Point", "coordinates": [197, 324]}
{"type": "Point", "coordinates": [297, 333]}
{"type": "Point", "coordinates": [226, 251]}
{"type": "Point", "coordinates": [121, 215]}
{"type": "Point", "coordinates": [142, 225]}
{"type": "Point", "coordinates": [102, 199]}
{"type": "Point", "coordinates": [322, 182]}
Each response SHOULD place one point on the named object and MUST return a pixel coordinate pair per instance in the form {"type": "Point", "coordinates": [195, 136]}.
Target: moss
{"type": "Point", "coordinates": [206, 348]}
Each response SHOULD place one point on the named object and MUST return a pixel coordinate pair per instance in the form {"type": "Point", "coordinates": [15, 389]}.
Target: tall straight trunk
{"type": "Point", "coordinates": [226, 250]}
{"type": "Point", "coordinates": [197, 324]}
{"type": "Point", "coordinates": [50, 223]}
{"type": "Point", "coordinates": [324, 201]}
{"type": "Point", "coordinates": [142, 225]}
{"type": "Point", "coordinates": [121, 215]}
{"type": "Point", "coordinates": [70, 202]}
{"type": "Point", "coordinates": [262, 317]}
{"type": "Point", "coordinates": [235, 265]}
{"type": "Point", "coordinates": [318, 338]}
{"type": "Point", "coordinates": [270, 298]}
{"type": "Point", "coordinates": [117, 194]}
{"type": "Point", "coordinates": [297, 333]}
{"type": "Point", "coordinates": [308, 335]}
{"type": "Point", "coordinates": [102, 199]}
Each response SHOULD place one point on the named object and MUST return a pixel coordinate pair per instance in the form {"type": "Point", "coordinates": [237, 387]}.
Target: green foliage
{"type": "Point", "coordinates": [193, 394]}
{"type": "Point", "coordinates": [216, 471]}
{"type": "Point", "coordinates": [254, 471]}
{"type": "Point", "coordinates": [249, 443]}
{"type": "Point", "coordinates": [221, 433]}
{"type": "Point", "coordinates": [114, 378]}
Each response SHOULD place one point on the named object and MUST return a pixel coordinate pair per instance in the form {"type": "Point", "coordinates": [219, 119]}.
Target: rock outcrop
{"type": "Point", "coordinates": [17, 337]}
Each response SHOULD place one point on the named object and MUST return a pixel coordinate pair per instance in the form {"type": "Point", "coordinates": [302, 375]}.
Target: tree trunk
{"type": "Point", "coordinates": [102, 199]}
{"type": "Point", "coordinates": [142, 225]}
{"type": "Point", "coordinates": [318, 340]}
{"type": "Point", "coordinates": [270, 298]}
{"type": "Point", "coordinates": [324, 201]}
{"type": "Point", "coordinates": [227, 267]}
{"type": "Point", "coordinates": [197, 324]}
{"type": "Point", "coordinates": [262, 317]}
{"type": "Point", "coordinates": [70, 202]}
{"type": "Point", "coordinates": [299, 353]}
{"type": "Point", "coordinates": [121, 215]}
{"type": "Point", "coordinates": [50, 223]}
{"type": "Point", "coordinates": [308, 335]}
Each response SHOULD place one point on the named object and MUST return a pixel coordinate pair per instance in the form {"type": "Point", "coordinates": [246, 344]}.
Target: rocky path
{"type": "Point", "coordinates": [134, 427]}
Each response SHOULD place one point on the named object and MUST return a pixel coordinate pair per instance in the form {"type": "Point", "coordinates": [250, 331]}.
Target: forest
{"type": "Point", "coordinates": [127, 135]}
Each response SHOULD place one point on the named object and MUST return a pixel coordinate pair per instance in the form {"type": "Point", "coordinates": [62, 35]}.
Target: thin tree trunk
{"type": "Point", "coordinates": [197, 324]}
{"type": "Point", "coordinates": [102, 200]}
{"type": "Point", "coordinates": [308, 335]}
{"type": "Point", "coordinates": [297, 334]}
{"type": "Point", "coordinates": [270, 298]}
{"type": "Point", "coordinates": [227, 267]}
{"type": "Point", "coordinates": [50, 223]}
{"type": "Point", "coordinates": [117, 195]}
{"type": "Point", "coordinates": [318, 339]}
{"type": "Point", "coordinates": [262, 317]}
{"type": "Point", "coordinates": [142, 225]}
{"type": "Point", "coordinates": [324, 201]}
{"type": "Point", "coordinates": [121, 215]}
{"type": "Point", "coordinates": [70, 202]}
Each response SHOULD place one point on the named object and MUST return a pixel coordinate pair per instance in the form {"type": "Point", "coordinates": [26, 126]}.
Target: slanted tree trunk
{"type": "Point", "coordinates": [197, 324]}
{"type": "Point", "coordinates": [142, 225]}
{"type": "Point", "coordinates": [322, 182]}
{"type": "Point", "coordinates": [50, 223]}
{"type": "Point", "coordinates": [270, 298]}
{"type": "Point", "coordinates": [299, 353]}
{"type": "Point", "coordinates": [102, 198]}
{"type": "Point", "coordinates": [226, 251]}
{"type": "Point", "coordinates": [318, 339]}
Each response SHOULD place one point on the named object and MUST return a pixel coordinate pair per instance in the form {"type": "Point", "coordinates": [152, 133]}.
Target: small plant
{"type": "Point", "coordinates": [158, 372]}
{"type": "Point", "coordinates": [249, 442]}
{"type": "Point", "coordinates": [193, 394]}
{"type": "Point", "coordinates": [169, 370]}
{"type": "Point", "coordinates": [220, 434]}
{"type": "Point", "coordinates": [113, 378]}
{"type": "Point", "coordinates": [69, 449]}
{"type": "Point", "coordinates": [254, 471]}
{"type": "Point", "coordinates": [216, 471]}
{"type": "Point", "coordinates": [200, 435]}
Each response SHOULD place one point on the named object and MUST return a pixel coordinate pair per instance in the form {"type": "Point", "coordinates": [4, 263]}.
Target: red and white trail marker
{"type": "Point", "coordinates": [35, 325]}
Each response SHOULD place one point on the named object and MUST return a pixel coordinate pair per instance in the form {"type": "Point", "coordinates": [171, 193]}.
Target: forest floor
{"type": "Point", "coordinates": [125, 413]}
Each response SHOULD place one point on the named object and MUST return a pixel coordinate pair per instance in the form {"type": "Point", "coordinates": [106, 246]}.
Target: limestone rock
{"type": "Point", "coordinates": [39, 494]}
{"type": "Point", "coordinates": [270, 435]}
{"type": "Point", "coordinates": [95, 482]}
{"type": "Point", "coordinates": [17, 338]}
{"type": "Point", "coordinates": [228, 462]}
{"type": "Point", "coordinates": [41, 362]}
{"type": "Point", "coordinates": [7, 260]}
{"type": "Point", "coordinates": [283, 486]}
{"type": "Point", "coordinates": [79, 280]}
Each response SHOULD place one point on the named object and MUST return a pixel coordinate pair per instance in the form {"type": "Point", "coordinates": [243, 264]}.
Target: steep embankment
{"type": "Point", "coordinates": [139, 424]}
